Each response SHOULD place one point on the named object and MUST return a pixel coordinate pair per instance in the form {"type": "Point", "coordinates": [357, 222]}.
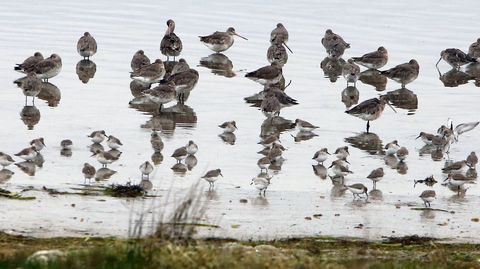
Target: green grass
{"type": "Point", "coordinates": [103, 253]}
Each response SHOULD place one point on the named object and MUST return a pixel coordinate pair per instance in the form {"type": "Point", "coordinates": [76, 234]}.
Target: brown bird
{"type": "Point", "coordinates": [269, 74]}
{"type": "Point", "coordinates": [180, 154]}
{"type": "Point", "coordinates": [428, 196]}
{"type": "Point", "coordinates": [370, 109]}
{"type": "Point", "coordinates": [373, 60]}
{"type": "Point", "coordinates": [220, 41]}
{"type": "Point", "coordinates": [139, 60]}
{"type": "Point", "coordinates": [150, 73]}
{"type": "Point", "coordinates": [88, 172]}
{"type": "Point", "coordinates": [472, 160]}
{"type": "Point", "coordinates": [280, 35]}
{"type": "Point", "coordinates": [171, 45]}
{"type": "Point", "coordinates": [403, 73]}
{"type": "Point", "coordinates": [29, 64]}
{"type": "Point", "coordinates": [212, 176]}
{"type": "Point", "coordinates": [87, 46]}
{"type": "Point", "coordinates": [474, 50]}
{"type": "Point", "coordinates": [376, 175]}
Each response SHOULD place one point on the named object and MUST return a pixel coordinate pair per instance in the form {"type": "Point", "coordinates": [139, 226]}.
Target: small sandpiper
{"type": "Point", "coordinates": [87, 46]}
{"type": "Point", "coordinates": [220, 41]}
{"type": "Point", "coordinates": [228, 126]}
{"type": "Point", "coordinates": [457, 180]}
{"type": "Point", "coordinates": [29, 64]}
{"type": "Point", "coordinates": [212, 176]}
{"type": "Point", "coordinates": [351, 72]}
{"type": "Point", "coordinates": [280, 34]}
{"type": "Point", "coordinates": [261, 184]}
{"type": "Point", "coordinates": [358, 189]}
{"type": "Point", "coordinates": [104, 157]}
{"type": "Point", "coordinates": [5, 160]}
{"type": "Point", "coordinates": [146, 169]}
{"type": "Point", "coordinates": [456, 167]}
{"type": "Point", "coordinates": [38, 144]}
{"type": "Point", "coordinates": [342, 153]}
{"type": "Point", "coordinates": [269, 140]}
{"type": "Point", "coordinates": [403, 73]}
{"type": "Point", "coordinates": [321, 155]}
{"type": "Point", "coordinates": [184, 83]}
{"type": "Point", "coordinates": [49, 67]}
{"type": "Point", "coordinates": [263, 163]}
{"type": "Point", "coordinates": [66, 144]}
{"type": "Point", "coordinates": [427, 138]}
{"type": "Point", "coordinates": [150, 73]}
{"type": "Point", "coordinates": [304, 126]}
{"type": "Point", "coordinates": [180, 154]}
{"type": "Point", "coordinates": [270, 74]}
{"type": "Point", "coordinates": [97, 136]}
{"type": "Point", "coordinates": [139, 60]}
{"type": "Point", "coordinates": [402, 153]}
{"type": "Point", "coordinates": [88, 172]}
{"type": "Point", "coordinates": [455, 58]}
{"type": "Point", "coordinates": [31, 85]}
{"type": "Point", "coordinates": [162, 94]}
{"type": "Point", "coordinates": [373, 60]}
{"type": "Point", "coordinates": [192, 148]}
{"type": "Point", "coordinates": [332, 40]}
{"type": "Point", "coordinates": [113, 142]}
{"type": "Point", "coordinates": [156, 141]}
{"type": "Point", "coordinates": [472, 160]}
{"type": "Point", "coordinates": [339, 169]}
{"type": "Point", "coordinates": [474, 50]}
{"type": "Point", "coordinates": [277, 53]}
{"type": "Point", "coordinates": [428, 196]}
{"type": "Point", "coordinates": [28, 154]}
{"type": "Point", "coordinates": [370, 109]}
{"type": "Point", "coordinates": [376, 175]}
{"type": "Point", "coordinates": [392, 148]}
{"type": "Point", "coordinates": [275, 153]}
{"type": "Point", "coordinates": [171, 45]}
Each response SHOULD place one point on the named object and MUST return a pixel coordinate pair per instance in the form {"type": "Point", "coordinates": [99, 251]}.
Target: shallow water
{"type": "Point", "coordinates": [408, 29]}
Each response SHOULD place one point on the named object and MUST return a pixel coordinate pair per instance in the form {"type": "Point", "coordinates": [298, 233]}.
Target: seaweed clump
{"type": "Point", "coordinates": [125, 190]}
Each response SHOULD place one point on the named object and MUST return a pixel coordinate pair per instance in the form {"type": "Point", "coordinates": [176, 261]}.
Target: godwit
{"type": "Point", "coordinates": [171, 45]}
{"type": "Point", "coordinates": [373, 60]}
{"type": "Point", "coordinates": [220, 41]}
{"type": "Point", "coordinates": [403, 73]}
{"type": "Point", "coordinates": [370, 109]}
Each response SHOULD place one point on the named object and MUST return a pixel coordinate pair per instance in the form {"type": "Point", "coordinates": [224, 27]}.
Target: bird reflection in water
{"type": "Point", "coordinates": [369, 142]}
{"type": "Point", "coordinates": [137, 88]}
{"type": "Point", "coordinates": [403, 98]}
{"type": "Point", "coordinates": [350, 96]}
{"type": "Point", "coordinates": [303, 136]}
{"type": "Point", "coordinates": [169, 117]}
{"type": "Point", "coordinates": [179, 168]}
{"type": "Point", "coordinates": [50, 93]}
{"type": "Point", "coordinates": [5, 175]}
{"type": "Point", "coordinates": [219, 64]}
{"type": "Point", "coordinates": [86, 70]}
{"type": "Point", "coordinates": [374, 78]}
{"type": "Point", "coordinates": [212, 195]}
{"type": "Point", "coordinates": [332, 68]}
{"type": "Point", "coordinates": [473, 70]}
{"type": "Point", "coordinates": [191, 161]}
{"type": "Point", "coordinates": [375, 194]}
{"type": "Point", "coordinates": [454, 77]}
{"type": "Point", "coordinates": [28, 168]}
{"type": "Point", "coordinates": [104, 173]}
{"type": "Point", "coordinates": [275, 125]}
{"type": "Point", "coordinates": [228, 138]}
{"type": "Point", "coordinates": [320, 171]}
{"type": "Point", "coordinates": [157, 158]}
{"type": "Point", "coordinates": [30, 115]}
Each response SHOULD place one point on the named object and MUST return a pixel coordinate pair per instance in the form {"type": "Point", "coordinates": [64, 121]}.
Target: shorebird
{"type": "Point", "coordinates": [426, 137]}
{"type": "Point", "coordinates": [212, 176]}
{"type": "Point", "coordinates": [192, 148]}
{"type": "Point", "coordinates": [228, 126]}
{"type": "Point", "coordinates": [180, 66]}
{"type": "Point", "coordinates": [280, 34]}
{"type": "Point", "coordinates": [269, 140]}
{"type": "Point", "coordinates": [282, 97]}
{"type": "Point", "coordinates": [139, 60]}
{"type": "Point", "coordinates": [270, 105]}
{"type": "Point", "coordinates": [472, 160]}
{"type": "Point", "coordinates": [5, 160]}
{"type": "Point", "coordinates": [162, 94]}
{"type": "Point", "coordinates": [358, 189]}
{"type": "Point", "coordinates": [88, 172]}
{"type": "Point", "coordinates": [370, 109]}
{"type": "Point", "coordinates": [277, 53]}
{"type": "Point", "coordinates": [456, 167]}
{"type": "Point", "coordinates": [332, 41]}
{"type": "Point", "coordinates": [97, 136]}
{"type": "Point", "coordinates": [180, 154]}
{"type": "Point", "coordinates": [171, 45]}
{"type": "Point", "coordinates": [376, 175]}
{"type": "Point", "coordinates": [403, 73]}
{"type": "Point", "coordinates": [351, 72]}
{"type": "Point", "coordinates": [29, 64]}
{"type": "Point", "coordinates": [263, 163]}
{"type": "Point", "coordinates": [392, 147]}
{"type": "Point", "coordinates": [28, 154]}
{"type": "Point", "coordinates": [184, 83]}
{"type": "Point", "coordinates": [342, 153]}
{"type": "Point", "coordinates": [429, 181]}
{"type": "Point", "coordinates": [87, 46]}
{"type": "Point", "coordinates": [373, 60]}
{"type": "Point", "coordinates": [156, 141]}
{"type": "Point", "coordinates": [66, 144]}
{"type": "Point", "coordinates": [402, 153]}
{"type": "Point", "coordinates": [31, 85]}
{"type": "Point", "coordinates": [104, 157]}
{"type": "Point", "coordinates": [104, 173]}
{"type": "Point", "coordinates": [474, 50]}
{"type": "Point", "coordinates": [261, 184]}
{"type": "Point", "coordinates": [149, 73]}
{"type": "Point", "coordinates": [455, 58]}
{"type": "Point", "coordinates": [321, 155]}
{"type": "Point", "coordinates": [428, 196]}
{"type": "Point", "coordinates": [270, 74]}
{"type": "Point", "coordinates": [38, 144]}
{"type": "Point", "coordinates": [48, 68]}
{"type": "Point", "coordinates": [146, 169]}
{"type": "Point", "coordinates": [220, 41]}
{"type": "Point", "coordinates": [275, 153]}
{"type": "Point", "coordinates": [304, 126]}
{"type": "Point", "coordinates": [113, 142]}
{"type": "Point", "coordinates": [339, 169]}
{"type": "Point", "coordinates": [457, 180]}
{"type": "Point", "coordinates": [461, 128]}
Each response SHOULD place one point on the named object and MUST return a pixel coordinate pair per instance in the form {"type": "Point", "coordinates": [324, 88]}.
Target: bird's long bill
{"type": "Point", "coordinates": [347, 161]}
{"type": "Point", "coordinates": [390, 105]}
{"type": "Point", "coordinates": [366, 193]}
{"type": "Point", "coordinates": [418, 137]}
{"type": "Point", "coordinates": [285, 44]}
{"type": "Point", "coordinates": [241, 36]}
{"type": "Point", "coordinates": [439, 60]}
{"type": "Point", "coordinates": [221, 174]}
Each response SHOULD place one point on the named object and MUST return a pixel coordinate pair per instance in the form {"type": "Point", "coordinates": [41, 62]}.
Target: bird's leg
{"type": "Point", "coordinates": [33, 101]}
{"type": "Point", "coordinates": [160, 108]}
{"type": "Point", "coordinates": [368, 126]}
{"type": "Point", "coordinates": [25, 100]}
{"type": "Point", "coordinates": [264, 191]}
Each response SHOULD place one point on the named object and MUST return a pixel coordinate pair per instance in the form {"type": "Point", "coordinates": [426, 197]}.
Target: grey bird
{"type": "Point", "coordinates": [162, 94]}
{"type": "Point", "coordinates": [373, 60]}
{"type": "Point", "coordinates": [88, 172]}
{"type": "Point", "coordinates": [220, 41]}
{"type": "Point", "coordinates": [149, 73]}
{"type": "Point", "coordinates": [376, 175]}
{"type": "Point", "coordinates": [171, 45]}
{"type": "Point", "coordinates": [358, 189]}
{"type": "Point", "coordinates": [403, 73]}
{"type": "Point", "coordinates": [139, 60]}
{"type": "Point", "coordinates": [156, 141]}
{"type": "Point", "coordinates": [48, 68]}
{"type": "Point", "coordinates": [269, 74]}
{"type": "Point", "coordinates": [212, 176]}
{"type": "Point", "coordinates": [428, 196]}
{"type": "Point", "coordinates": [280, 35]}
{"type": "Point", "coordinates": [370, 109]}
{"type": "Point", "coordinates": [455, 58]}
{"type": "Point", "coordinates": [87, 46]}
{"type": "Point", "coordinates": [31, 86]}
{"type": "Point", "coordinates": [351, 72]}
{"type": "Point", "coordinates": [29, 64]}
